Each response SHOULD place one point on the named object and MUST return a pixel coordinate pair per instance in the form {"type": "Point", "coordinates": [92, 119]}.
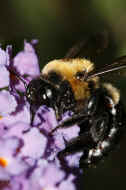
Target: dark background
{"type": "Point", "coordinates": [58, 24]}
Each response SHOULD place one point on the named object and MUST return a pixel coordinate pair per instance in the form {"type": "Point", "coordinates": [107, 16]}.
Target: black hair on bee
{"type": "Point", "coordinates": [73, 84]}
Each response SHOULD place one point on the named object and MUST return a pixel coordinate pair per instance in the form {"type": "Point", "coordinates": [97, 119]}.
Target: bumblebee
{"type": "Point", "coordinates": [73, 84]}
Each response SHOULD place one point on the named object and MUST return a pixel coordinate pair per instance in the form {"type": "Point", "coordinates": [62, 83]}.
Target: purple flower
{"type": "Point", "coordinates": [7, 102]}
{"type": "Point", "coordinates": [3, 129]}
{"type": "Point", "coordinates": [34, 144]}
{"type": "Point", "coordinates": [26, 61]}
{"type": "Point", "coordinates": [25, 64]}
{"type": "Point", "coordinates": [67, 183]}
{"type": "Point", "coordinates": [29, 158]}
{"type": "Point", "coordinates": [4, 76]}
{"type": "Point", "coordinates": [4, 57]}
{"type": "Point", "coordinates": [73, 160]}
{"type": "Point", "coordinates": [21, 116]}
{"type": "Point", "coordinates": [17, 129]}
{"type": "Point", "coordinates": [19, 182]}
{"type": "Point", "coordinates": [45, 119]}
{"type": "Point", "coordinates": [45, 176]}
{"type": "Point", "coordinates": [10, 165]}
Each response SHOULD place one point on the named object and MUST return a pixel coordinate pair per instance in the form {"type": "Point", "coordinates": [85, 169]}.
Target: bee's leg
{"type": "Point", "coordinates": [32, 114]}
{"type": "Point", "coordinates": [88, 140]}
{"type": "Point", "coordinates": [100, 151]}
{"type": "Point", "coordinates": [75, 119]}
{"type": "Point", "coordinates": [77, 145]}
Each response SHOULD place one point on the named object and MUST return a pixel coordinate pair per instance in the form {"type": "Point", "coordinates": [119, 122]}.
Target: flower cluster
{"type": "Point", "coordinates": [28, 154]}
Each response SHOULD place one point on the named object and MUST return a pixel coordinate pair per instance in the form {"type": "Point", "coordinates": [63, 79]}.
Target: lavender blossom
{"type": "Point", "coordinates": [20, 116]}
{"type": "Point", "coordinates": [4, 77]}
{"type": "Point", "coordinates": [45, 176]}
{"type": "Point", "coordinates": [4, 57]}
{"type": "Point", "coordinates": [26, 64]}
{"type": "Point", "coordinates": [10, 164]}
{"type": "Point", "coordinates": [26, 61]}
{"type": "Point", "coordinates": [28, 154]}
{"type": "Point", "coordinates": [8, 101]}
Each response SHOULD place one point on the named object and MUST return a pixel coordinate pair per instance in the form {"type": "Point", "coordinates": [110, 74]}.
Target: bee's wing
{"type": "Point", "coordinates": [89, 48]}
{"type": "Point", "coordinates": [118, 65]}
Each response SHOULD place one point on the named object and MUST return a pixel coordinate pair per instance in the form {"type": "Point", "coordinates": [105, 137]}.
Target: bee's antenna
{"type": "Point", "coordinates": [18, 77]}
{"type": "Point", "coordinates": [118, 64]}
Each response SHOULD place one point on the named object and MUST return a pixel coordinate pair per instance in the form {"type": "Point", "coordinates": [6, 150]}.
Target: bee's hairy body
{"type": "Point", "coordinates": [73, 84]}
{"type": "Point", "coordinates": [103, 96]}
{"type": "Point", "coordinates": [67, 69]}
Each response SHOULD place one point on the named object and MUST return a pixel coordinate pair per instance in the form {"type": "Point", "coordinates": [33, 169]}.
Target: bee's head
{"type": "Point", "coordinates": [41, 92]}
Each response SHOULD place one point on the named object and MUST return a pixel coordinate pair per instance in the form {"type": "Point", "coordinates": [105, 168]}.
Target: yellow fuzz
{"type": "Point", "coordinates": [68, 68]}
{"type": "Point", "coordinates": [114, 92]}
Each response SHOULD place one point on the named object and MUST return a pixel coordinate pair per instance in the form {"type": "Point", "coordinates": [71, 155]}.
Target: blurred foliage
{"type": "Point", "coordinates": [58, 24]}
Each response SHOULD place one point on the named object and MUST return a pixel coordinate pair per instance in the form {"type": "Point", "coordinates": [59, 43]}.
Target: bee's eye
{"type": "Point", "coordinates": [39, 92]}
